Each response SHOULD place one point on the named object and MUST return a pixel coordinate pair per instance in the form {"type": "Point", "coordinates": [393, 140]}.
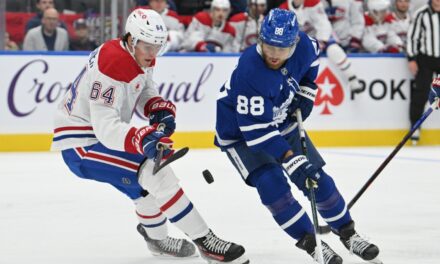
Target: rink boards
{"type": "Point", "coordinates": [33, 84]}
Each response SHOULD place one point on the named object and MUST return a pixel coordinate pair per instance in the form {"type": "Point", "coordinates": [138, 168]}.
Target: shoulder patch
{"type": "Point", "coordinates": [389, 18]}
{"type": "Point", "coordinates": [368, 20]}
{"type": "Point", "coordinates": [204, 18]}
{"type": "Point", "coordinates": [229, 29]}
{"type": "Point", "coordinates": [284, 6]}
{"type": "Point", "coordinates": [310, 3]}
{"type": "Point", "coordinates": [117, 63]}
{"type": "Point", "coordinates": [239, 17]}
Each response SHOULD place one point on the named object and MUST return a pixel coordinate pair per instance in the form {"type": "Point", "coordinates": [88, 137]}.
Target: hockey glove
{"type": "Point", "coordinates": [435, 91]}
{"type": "Point", "coordinates": [159, 111]}
{"type": "Point", "coordinates": [147, 141]}
{"type": "Point", "coordinates": [354, 45]}
{"type": "Point", "coordinates": [300, 169]}
{"type": "Point", "coordinates": [305, 101]}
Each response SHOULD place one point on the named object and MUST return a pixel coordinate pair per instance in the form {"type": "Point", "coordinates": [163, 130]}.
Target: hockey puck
{"type": "Point", "coordinates": [208, 176]}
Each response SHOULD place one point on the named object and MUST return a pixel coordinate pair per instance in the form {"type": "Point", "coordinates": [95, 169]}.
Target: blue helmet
{"type": "Point", "coordinates": [279, 28]}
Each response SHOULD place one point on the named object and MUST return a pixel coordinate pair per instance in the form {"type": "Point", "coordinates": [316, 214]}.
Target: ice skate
{"type": "Point", "coordinates": [169, 247]}
{"type": "Point", "coordinates": [358, 245]}
{"type": "Point", "coordinates": [308, 243]}
{"type": "Point", "coordinates": [215, 250]}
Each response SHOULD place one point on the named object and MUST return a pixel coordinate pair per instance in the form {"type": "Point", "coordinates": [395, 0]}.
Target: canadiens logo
{"type": "Point", "coordinates": [330, 91]}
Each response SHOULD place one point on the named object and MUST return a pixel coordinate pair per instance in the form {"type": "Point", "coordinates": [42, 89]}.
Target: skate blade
{"type": "Point", "coordinates": [375, 261]}
{"type": "Point", "coordinates": [168, 256]}
{"type": "Point", "coordinates": [241, 260]}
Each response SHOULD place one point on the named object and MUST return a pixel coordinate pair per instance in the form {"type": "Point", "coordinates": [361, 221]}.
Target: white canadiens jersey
{"type": "Point", "coordinates": [401, 26]}
{"type": "Point", "coordinates": [379, 36]}
{"type": "Point", "coordinates": [201, 31]}
{"type": "Point", "coordinates": [175, 29]}
{"type": "Point", "coordinates": [246, 29]}
{"type": "Point", "coordinates": [312, 19]}
{"type": "Point", "coordinates": [347, 19]}
{"type": "Point", "coordinates": [101, 101]}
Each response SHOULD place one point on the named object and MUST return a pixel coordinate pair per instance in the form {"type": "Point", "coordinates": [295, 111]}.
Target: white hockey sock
{"type": "Point", "coordinates": [151, 218]}
{"type": "Point", "coordinates": [181, 212]}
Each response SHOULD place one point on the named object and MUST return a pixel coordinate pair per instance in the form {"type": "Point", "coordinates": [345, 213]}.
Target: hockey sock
{"type": "Point", "coordinates": [180, 211]}
{"type": "Point", "coordinates": [151, 218]}
{"type": "Point", "coordinates": [330, 203]}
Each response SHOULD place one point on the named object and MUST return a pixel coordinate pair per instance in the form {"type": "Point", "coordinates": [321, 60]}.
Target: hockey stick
{"type": "Point", "coordinates": [327, 229]}
{"type": "Point", "coordinates": [311, 185]}
{"type": "Point", "coordinates": [177, 155]}
{"type": "Point", "coordinates": [160, 148]}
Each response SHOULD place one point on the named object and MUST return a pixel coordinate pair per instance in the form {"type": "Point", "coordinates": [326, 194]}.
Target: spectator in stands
{"type": "Point", "coordinates": [347, 19]}
{"type": "Point", "coordinates": [401, 19]}
{"type": "Point", "coordinates": [82, 38]}
{"type": "Point", "coordinates": [210, 32]}
{"type": "Point", "coordinates": [42, 5]}
{"type": "Point", "coordinates": [379, 35]}
{"type": "Point", "coordinates": [171, 20]}
{"type": "Point", "coordinates": [313, 20]}
{"type": "Point", "coordinates": [48, 36]}
{"type": "Point", "coordinates": [9, 44]}
{"type": "Point", "coordinates": [247, 24]}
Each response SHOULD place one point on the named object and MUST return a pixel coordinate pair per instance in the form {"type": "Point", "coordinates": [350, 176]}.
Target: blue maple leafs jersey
{"type": "Point", "coordinates": [254, 105]}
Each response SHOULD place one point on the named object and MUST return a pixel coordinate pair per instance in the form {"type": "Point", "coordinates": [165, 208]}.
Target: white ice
{"type": "Point", "coordinates": [49, 216]}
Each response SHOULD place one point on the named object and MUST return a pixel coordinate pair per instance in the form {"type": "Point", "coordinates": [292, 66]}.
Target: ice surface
{"type": "Point", "coordinates": [49, 216]}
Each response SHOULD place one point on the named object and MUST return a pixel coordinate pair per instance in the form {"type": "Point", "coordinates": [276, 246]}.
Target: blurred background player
{"type": "Point", "coordinates": [314, 21]}
{"type": "Point", "coordinates": [248, 23]}
{"type": "Point", "coordinates": [256, 129]}
{"type": "Point", "coordinates": [379, 33]}
{"type": "Point", "coordinates": [434, 94]}
{"type": "Point", "coordinates": [81, 41]}
{"type": "Point", "coordinates": [47, 36]}
{"type": "Point", "coordinates": [423, 58]}
{"type": "Point", "coordinates": [209, 31]}
{"type": "Point", "coordinates": [347, 19]}
{"type": "Point", "coordinates": [171, 19]}
{"type": "Point", "coordinates": [92, 128]}
{"type": "Point", "coordinates": [401, 19]}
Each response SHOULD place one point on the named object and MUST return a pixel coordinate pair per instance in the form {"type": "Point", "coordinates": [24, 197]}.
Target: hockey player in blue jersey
{"type": "Point", "coordinates": [256, 129]}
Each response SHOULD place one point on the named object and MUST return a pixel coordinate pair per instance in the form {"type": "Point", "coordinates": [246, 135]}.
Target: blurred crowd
{"type": "Point", "coordinates": [376, 26]}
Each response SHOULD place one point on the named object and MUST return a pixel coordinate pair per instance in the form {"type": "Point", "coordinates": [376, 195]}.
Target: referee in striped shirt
{"type": "Point", "coordinates": [423, 51]}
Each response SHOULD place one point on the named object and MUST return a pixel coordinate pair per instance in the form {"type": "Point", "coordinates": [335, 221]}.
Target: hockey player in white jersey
{"type": "Point", "coordinates": [314, 21]}
{"type": "Point", "coordinates": [401, 19]}
{"type": "Point", "coordinates": [175, 28]}
{"type": "Point", "coordinates": [248, 23]}
{"type": "Point", "coordinates": [93, 130]}
{"type": "Point", "coordinates": [379, 35]}
{"type": "Point", "coordinates": [255, 128]}
{"type": "Point", "coordinates": [209, 31]}
{"type": "Point", "coordinates": [347, 18]}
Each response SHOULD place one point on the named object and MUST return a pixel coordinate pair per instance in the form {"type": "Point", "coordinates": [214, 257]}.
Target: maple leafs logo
{"type": "Point", "coordinates": [330, 91]}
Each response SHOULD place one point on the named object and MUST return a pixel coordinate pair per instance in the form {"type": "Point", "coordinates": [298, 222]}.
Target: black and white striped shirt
{"type": "Point", "coordinates": [424, 33]}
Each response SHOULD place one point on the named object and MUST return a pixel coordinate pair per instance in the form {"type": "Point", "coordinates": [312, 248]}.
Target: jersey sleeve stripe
{"type": "Point", "coordinates": [263, 138]}
{"type": "Point", "coordinates": [255, 126]}
{"type": "Point", "coordinates": [224, 142]}
{"type": "Point", "coordinates": [315, 63]}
